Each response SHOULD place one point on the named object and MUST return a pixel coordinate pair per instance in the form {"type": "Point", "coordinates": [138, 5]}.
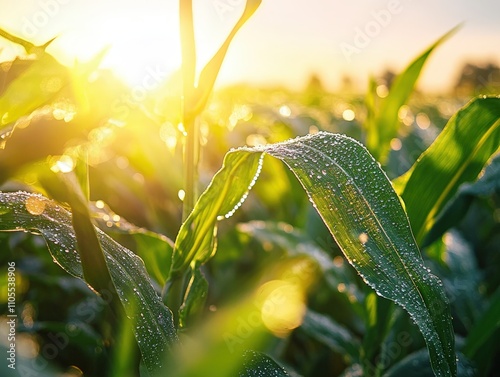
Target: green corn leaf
{"type": "Point", "coordinates": [417, 365]}
{"type": "Point", "coordinates": [330, 333]}
{"type": "Point", "coordinates": [210, 72]}
{"type": "Point", "coordinates": [28, 46]}
{"type": "Point", "coordinates": [385, 122]}
{"type": "Point", "coordinates": [195, 242]}
{"type": "Point", "coordinates": [359, 206]}
{"type": "Point", "coordinates": [485, 327]}
{"type": "Point", "coordinates": [43, 80]}
{"type": "Point", "coordinates": [362, 211]}
{"type": "Point", "coordinates": [194, 301]}
{"type": "Point", "coordinates": [188, 47]}
{"type": "Point", "coordinates": [94, 266]}
{"type": "Point", "coordinates": [153, 324]}
{"type": "Point", "coordinates": [458, 155]}
{"type": "Point", "coordinates": [456, 209]}
{"type": "Point", "coordinates": [37, 85]}
{"type": "Point", "coordinates": [259, 364]}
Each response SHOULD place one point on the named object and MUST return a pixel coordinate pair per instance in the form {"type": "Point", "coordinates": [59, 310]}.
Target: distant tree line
{"type": "Point", "coordinates": [478, 79]}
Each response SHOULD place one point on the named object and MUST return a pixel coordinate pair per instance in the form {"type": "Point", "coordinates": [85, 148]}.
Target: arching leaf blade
{"type": "Point", "coordinates": [21, 211]}
{"type": "Point", "coordinates": [195, 241]}
{"type": "Point", "coordinates": [359, 206]}
{"type": "Point", "coordinates": [458, 155]}
{"type": "Point", "coordinates": [386, 119]}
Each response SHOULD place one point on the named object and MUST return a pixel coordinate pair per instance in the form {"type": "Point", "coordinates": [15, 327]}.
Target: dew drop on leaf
{"type": "Point", "coordinates": [35, 205]}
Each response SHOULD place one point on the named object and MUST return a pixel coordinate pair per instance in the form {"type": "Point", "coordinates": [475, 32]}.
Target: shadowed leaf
{"type": "Point", "coordinates": [153, 325]}
{"type": "Point", "coordinates": [458, 155]}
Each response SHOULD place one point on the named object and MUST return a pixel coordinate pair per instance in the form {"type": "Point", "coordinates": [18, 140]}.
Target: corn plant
{"type": "Point", "coordinates": [157, 289]}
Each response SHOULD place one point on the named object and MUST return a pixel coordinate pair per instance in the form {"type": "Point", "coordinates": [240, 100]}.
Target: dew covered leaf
{"type": "Point", "coordinates": [153, 324]}
{"type": "Point", "coordinates": [360, 208]}
{"type": "Point", "coordinates": [195, 242]}
{"type": "Point", "coordinates": [257, 364]}
{"type": "Point", "coordinates": [458, 155]}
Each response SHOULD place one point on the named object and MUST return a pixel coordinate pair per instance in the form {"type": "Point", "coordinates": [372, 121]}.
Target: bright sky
{"type": "Point", "coordinates": [284, 42]}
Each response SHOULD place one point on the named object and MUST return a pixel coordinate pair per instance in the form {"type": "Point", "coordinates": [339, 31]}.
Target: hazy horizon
{"type": "Point", "coordinates": [283, 44]}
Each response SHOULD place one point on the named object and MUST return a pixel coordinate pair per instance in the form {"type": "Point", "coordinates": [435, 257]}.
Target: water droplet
{"type": "Point", "coordinates": [35, 205]}
{"type": "Point", "coordinates": [363, 238]}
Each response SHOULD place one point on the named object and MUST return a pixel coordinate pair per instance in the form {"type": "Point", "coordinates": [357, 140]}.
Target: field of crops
{"type": "Point", "coordinates": [245, 231]}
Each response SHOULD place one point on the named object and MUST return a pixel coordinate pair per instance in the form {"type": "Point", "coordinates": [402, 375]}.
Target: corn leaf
{"type": "Point", "coordinates": [359, 206]}
{"type": "Point", "coordinates": [458, 155]}
{"type": "Point", "coordinates": [327, 331]}
{"type": "Point", "coordinates": [384, 125]}
{"type": "Point", "coordinates": [259, 364]}
{"type": "Point", "coordinates": [153, 324]}
{"type": "Point", "coordinates": [28, 46]}
{"type": "Point", "coordinates": [417, 365]}
{"type": "Point", "coordinates": [456, 209]}
{"type": "Point", "coordinates": [36, 86]}
{"type": "Point", "coordinates": [210, 72]}
{"type": "Point", "coordinates": [485, 328]}
{"type": "Point", "coordinates": [194, 301]}
{"type": "Point", "coordinates": [195, 242]}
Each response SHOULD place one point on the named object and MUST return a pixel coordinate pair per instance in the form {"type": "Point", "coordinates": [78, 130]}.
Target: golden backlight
{"type": "Point", "coordinates": [142, 41]}
{"type": "Point", "coordinates": [137, 47]}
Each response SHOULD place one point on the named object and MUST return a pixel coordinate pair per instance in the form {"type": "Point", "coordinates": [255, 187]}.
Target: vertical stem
{"type": "Point", "coordinates": [175, 287]}
{"type": "Point", "coordinates": [191, 158]}
{"type": "Point", "coordinates": [191, 146]}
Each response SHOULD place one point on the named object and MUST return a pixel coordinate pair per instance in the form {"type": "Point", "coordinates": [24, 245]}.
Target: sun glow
{"type": "Point", "coordinates": [141, 51]}
{"type": "Point", "coordinates": [141, 41]}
